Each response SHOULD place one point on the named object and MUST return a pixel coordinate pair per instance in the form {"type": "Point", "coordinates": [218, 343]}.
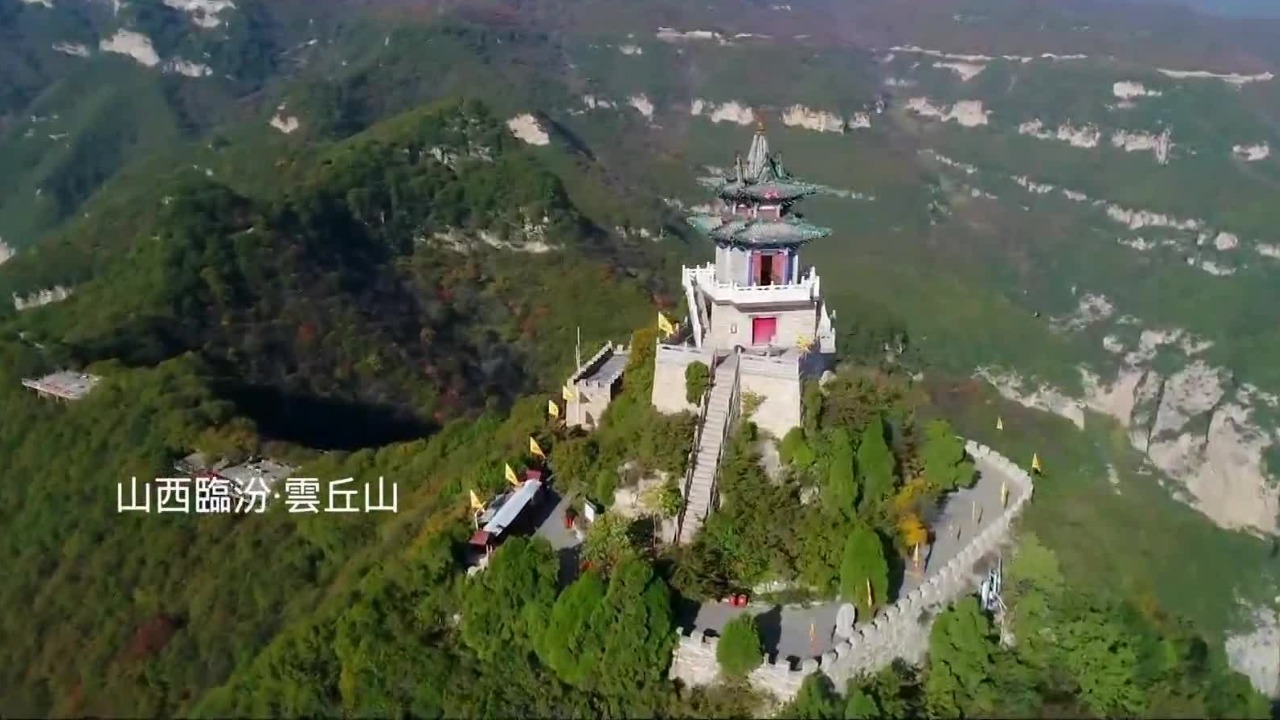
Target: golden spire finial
{"type": "Point", "coordinates": [759, 125]}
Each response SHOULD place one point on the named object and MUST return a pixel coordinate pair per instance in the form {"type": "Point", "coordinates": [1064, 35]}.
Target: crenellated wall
{"type": "Point", "coordinates": [900, 630]}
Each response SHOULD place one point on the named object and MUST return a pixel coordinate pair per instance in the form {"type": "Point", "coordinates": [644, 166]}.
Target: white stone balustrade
{"type": "Point", "coordinates": [807, 289]}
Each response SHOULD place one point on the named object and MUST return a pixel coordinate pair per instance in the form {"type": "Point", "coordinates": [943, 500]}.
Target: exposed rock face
{"type": "Point", "coordinates": [204, 13]}
{"type": "Point", "coordinates": [54, 294]}
{"type": "Point", "coordinates": [642, 105]}
{"type": "Point", "coordinates": [75, 49]}
{"type": "Point", "coordinates": [132, 44]}
{"type": "Point", "coordinates": [1087, 136]}
{"type": "Point", "coordinates": [1232, 78]}
{"type": "Point", "coordinates": [1252, 153]}
{"type": "Point", "coordinates": [967, 113]}
{"type": "Point", "coordinates": [286, 124]}
{"type": "Point", "coordinates": [1197, 425]}
{"type": "Point", "coordinates": [527, 128]}
{"type": "Point", "coordinates": [178, 66]}
{"type": "Point", "coordinates": [1046, 398]}
{"type": "Point", "coordinates": [1126, 90]}
{"type": "Point", "coordinates": [1257, 654]}
{"type": "Point", "coordinates": [819, 120]}
{"type": "Point", "coordinates": [966, 71]}
{"type": "Point", "coordinates": [732, 111]}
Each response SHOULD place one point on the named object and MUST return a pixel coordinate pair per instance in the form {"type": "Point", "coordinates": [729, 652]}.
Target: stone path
{"type": "Point", "coordinates": [786, 629]}
{"type": "Point", "coordinates": [565, 542]}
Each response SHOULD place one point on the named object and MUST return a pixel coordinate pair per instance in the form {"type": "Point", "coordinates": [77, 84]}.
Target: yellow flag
{"type": "Point", "coordinates": [999, 424]}
{"type": "Point", "coordinates": [1004, 494]}
{"type": "Point", "coordinates": [536, 449]}
{"type": "Point", "coordinates": [1035, 463]}
{"type": "Point", "coordinates": [567, 393]}
{"type": "Point", "coordinates": [870, 598]}
{"type": "Point", "coordinates": [475, 502]}
{"type": "Point", "coordinates": [916, 560]}
{"type": "Point", "coordinates": [552, 409]}
{"type": "Point", "coordinates": [665, 325]}
{"type": "Point", "coordinates": [511, 476]}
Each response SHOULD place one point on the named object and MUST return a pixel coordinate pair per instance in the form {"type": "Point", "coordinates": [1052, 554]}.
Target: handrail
{"type": "Point", "coordinates": [692, 460]}
{"type": "Point", "coordinates": [730, 419]}
{"type": "Point", "coordinates": [735, 408]}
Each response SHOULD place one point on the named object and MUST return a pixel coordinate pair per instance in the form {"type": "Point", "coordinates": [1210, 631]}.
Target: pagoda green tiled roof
{"type": "Point", "coordinates": [746, 231]}
{"type": "Point", "coordinates": [781, 190]}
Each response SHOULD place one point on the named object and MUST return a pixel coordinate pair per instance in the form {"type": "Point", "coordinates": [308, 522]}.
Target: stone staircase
{"type": "Point", "coordinates": [700, 483]}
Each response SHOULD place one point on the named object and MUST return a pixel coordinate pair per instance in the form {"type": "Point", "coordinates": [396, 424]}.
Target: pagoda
{"type": "Point", "coordinates": [756, 304]}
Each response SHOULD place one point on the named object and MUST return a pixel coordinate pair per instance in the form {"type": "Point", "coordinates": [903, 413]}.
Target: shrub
{"type": "Point", "coordinates": [740, 650]}
{"type": "Point", "coordinates": [697, 380]}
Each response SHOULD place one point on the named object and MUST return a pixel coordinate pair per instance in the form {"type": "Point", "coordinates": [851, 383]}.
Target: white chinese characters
{"type": "Point", "coordinates": [224, 496]}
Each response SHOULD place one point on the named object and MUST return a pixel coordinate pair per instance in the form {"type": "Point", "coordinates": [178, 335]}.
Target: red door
{"type": "Point", "coordinates": [763, 329]}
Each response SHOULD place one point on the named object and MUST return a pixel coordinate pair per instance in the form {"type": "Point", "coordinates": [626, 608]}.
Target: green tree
{"type": "Point", "coordinates": [507, 604]}
{"type": "Point", "coordinates": [875, 466]}
{"type": "Point", "coordinates": [702, 571]}
{"type": "Point", "coordinates": [636, 630]}
{"type": "Point", "coordinates": [840, 495]}
{"type": "Point", "coordinates": [946, 464]}
{"type": "Point", "coordinates": [794, 449]}
{"type": "Point", "coordinates": [864, 561]}
{"type": "Point", "coordinates": [697, 380]}
{"type": "Point", "coordinates": [861, 705]}
{"type": "Point", "coordinates": [816, 700]}
{"type": "Point", "coordinates": [568, 645]}
{"type": "Point", "coordinates": [740, 650]}
{"type": "Point", "coordinates": [608, 542]}
{"type": "Point", "coordinates": [1099, 653]}
{"type": "Point", "coordinates": [962, 648]}
{"type": "Point", "coordinates": [574, 462]}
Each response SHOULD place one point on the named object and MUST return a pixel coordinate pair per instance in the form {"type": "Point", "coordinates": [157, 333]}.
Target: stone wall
{"type": "Point", "coordinates": [779, 410]}
{"type": "Point", "coordinates": [668, 376]}
{"type": "Point", "coordinates": [900, 630]}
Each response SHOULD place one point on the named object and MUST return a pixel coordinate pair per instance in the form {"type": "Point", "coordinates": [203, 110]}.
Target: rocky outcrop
{"type": "Point", "coordinates": [54, 294]}
{"type": "Point", "coordinates": [286, 124]}
{"type": "Point", "coordinates": [131, 44]}
{"type": "Point", "coordinates": [966, 71]}
{"type": "Point", "coordinates": [1086, 136]}
{"type": "Point", "coordinates": [1257, 653]}
{"type": "Point", "coordinates": [641, 105]}
{"type": "Point", "coordinates": [75, 49]}
{"type": "Point", "coordinates": [204, 13]}
{"type": "Point", "coordinates": [732, 111]}
{"type": "Point", "coordinates": [1231, 78]}
{"type": "Point", "coordinates": [967, 113]}
{"type": "Point", "coordinates": [1126, 90]}
{"type": "Point", "coordinates": [1252, 153]}
{"type": "Point", "coordinates": [1197, 424]}
{"type": "Point", "coordinates": [810, 119]}
{"type": "Point", "coordinates": [527, 128]}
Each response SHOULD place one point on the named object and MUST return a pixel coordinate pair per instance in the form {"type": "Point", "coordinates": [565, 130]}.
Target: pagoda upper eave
{"type": "Point", "coordinates": [780, 192]}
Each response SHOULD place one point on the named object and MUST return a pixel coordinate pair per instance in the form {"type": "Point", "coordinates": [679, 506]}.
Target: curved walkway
{"type": "Point", "coordinates": [786, 628]}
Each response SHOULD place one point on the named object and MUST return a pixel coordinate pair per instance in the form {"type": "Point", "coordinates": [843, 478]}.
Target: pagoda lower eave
{"type": "Point", "coordinates": [744, 231]}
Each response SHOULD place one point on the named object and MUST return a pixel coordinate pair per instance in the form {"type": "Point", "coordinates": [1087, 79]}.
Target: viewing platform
{"type": "Point", "coordinates": [64, 385]}
{"type": "Point", "coordinates": [805, 289]}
